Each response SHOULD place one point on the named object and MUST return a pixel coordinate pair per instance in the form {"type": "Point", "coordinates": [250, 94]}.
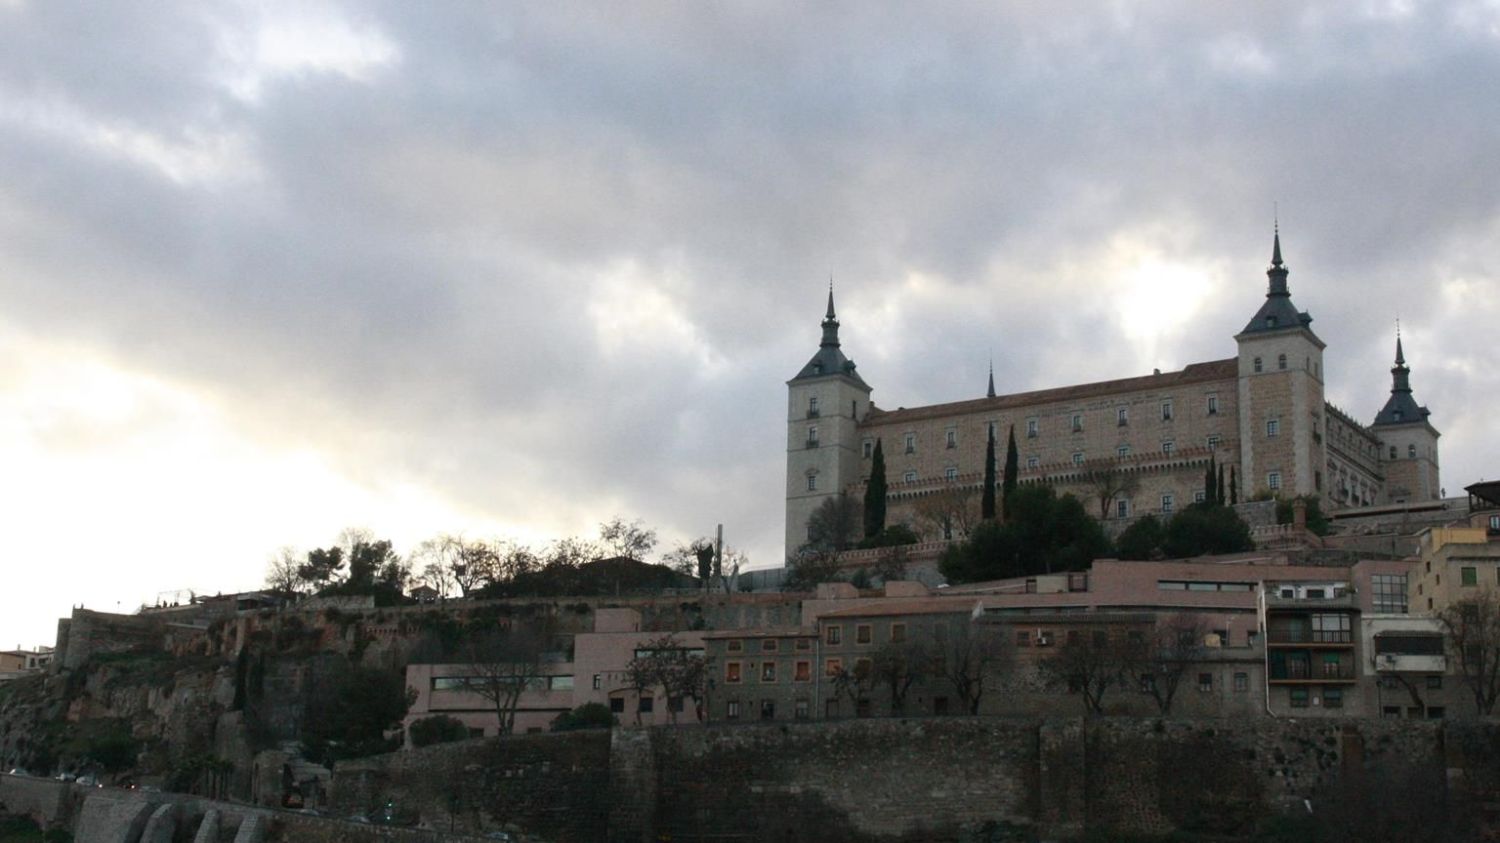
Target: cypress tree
{"type": "Point", "coordinates": [1234, 487]}
{"type": "Point", "coordinates": [1012, 471]}
{"type": "Point", "coordinates": [987, 500]}
{"type": "Point", "coordinates": [1219, 495]}
{"type": "Point", "coordinates": [875, 494]}
{"type": "Point", "coordinates": [1208, 482]}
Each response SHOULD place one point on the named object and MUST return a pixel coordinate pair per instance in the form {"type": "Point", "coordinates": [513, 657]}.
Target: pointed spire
{"type": "Point", "coordinates": [1277, 272]}
{"type": "Point", "coordinates": [991, 392]}
{"type": "Point", "coordinates": [1400, 357]}
{"type": "Point", "coordinates": [830, 321]}
{"type": "Point", "coordinates": [1276, 245]}
{"type": "Point", "coordinates": [830, 315]}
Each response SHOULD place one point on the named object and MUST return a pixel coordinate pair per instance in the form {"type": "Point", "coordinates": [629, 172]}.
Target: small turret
{"type": "Point", "coordinates": [1400, 408]}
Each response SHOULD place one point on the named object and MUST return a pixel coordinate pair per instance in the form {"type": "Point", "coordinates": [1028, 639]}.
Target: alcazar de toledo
{"type": "Point", "coordinates": [1261, 412]}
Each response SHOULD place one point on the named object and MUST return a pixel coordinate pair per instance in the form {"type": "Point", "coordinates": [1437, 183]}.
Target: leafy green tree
{"type": "Point", "coordinates": [875, 493]}
{"type": "Point", "coordinates": [322, 568]}
{"type": "Point", "coordinates": [348, 709]}
{"type": "Point", "coordinates": [439, 728]}
{"type": "Point", "coordinates": [1012, 472]}
{"type": "Point", "coordinates": [987, 500]}
{"type": "Point", "coordinates": [1200, 530]}
{"type": "Point", "coordinates": [1042, 533]}
{"type": "Point", "coordinates": [1141, 540]}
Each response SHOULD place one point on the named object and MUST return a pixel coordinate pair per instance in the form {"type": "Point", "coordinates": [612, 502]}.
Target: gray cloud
{"type": "Point", "coordinates": [401, 264]}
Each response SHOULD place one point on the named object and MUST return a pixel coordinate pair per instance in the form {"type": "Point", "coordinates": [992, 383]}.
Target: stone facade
{"type": "Point", "coordinates": [1261, 413]}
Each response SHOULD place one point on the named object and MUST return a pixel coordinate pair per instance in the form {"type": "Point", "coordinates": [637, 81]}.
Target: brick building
{"type": "Point", "coordinates": [1261, 412]}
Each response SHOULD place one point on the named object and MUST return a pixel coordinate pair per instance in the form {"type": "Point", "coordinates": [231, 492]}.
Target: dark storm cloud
{"type": "Point", "coordinates": [419, 250]}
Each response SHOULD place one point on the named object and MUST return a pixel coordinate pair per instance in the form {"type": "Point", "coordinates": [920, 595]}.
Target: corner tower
{"type": "Point", "coordinates": [1281, 402]}
{"type": "Point", "coordinates": [1408, 441]}
{"type": "Point", "coordinates": [826, 401]}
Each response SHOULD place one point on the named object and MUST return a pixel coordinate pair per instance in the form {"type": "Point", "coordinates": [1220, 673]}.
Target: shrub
{"type": "Point", "coordinates": [586, 716]}
{"type": "Point", "coordinates": [439, 728]}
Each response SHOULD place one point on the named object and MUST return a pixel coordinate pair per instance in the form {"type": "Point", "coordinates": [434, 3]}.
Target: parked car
{"type": "Point", "coordinates": [66, 777]}
{"type": "Point", "coordinates": [19, 771]}
{"type": "Point", "coordinates": [89, 781]}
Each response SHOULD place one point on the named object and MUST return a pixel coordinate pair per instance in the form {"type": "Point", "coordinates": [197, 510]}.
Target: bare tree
{"type": "Point", "coordinates": [1090, 662]}
{"type": "Point", "coordinates": [631, 540]}
{"type": "Point", "coordinates": [500, 665]}
{"type": "Point", "coordinates": [1173, 649]}
{"type": "Point", "coordinates": [835, 524]}
{"type": "Point", "coordinates": [571, 552]}
{"type": "Point", "coordinates": [1473, 628]}
{"type": "Point", "coordinates": [281, 572]}
{"type": "Point", "coordinates": [967, 655]}
{"type": "Point", "coordinates": [514, 559]}
{"type": "Point", "coordinates": [853, 683]}
{"type": "Point", "coordinates": [805, 570]}
{"type": "Point", "coordinates": [949, 513]}
{"type": "Point", "coordinates": [668, 664]}
{"type": "Point", "coordinates": [454, 562]}
{"type": "Point", "coordinates": [898, 665]}
{"type": "Point", "coordinates": [890, 563]}
{"type": "Point", "coordinates": [1108, 483]}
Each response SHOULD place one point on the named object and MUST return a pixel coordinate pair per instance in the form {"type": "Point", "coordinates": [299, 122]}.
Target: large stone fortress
{"type": "Point", "coordinates": [1261, 412]}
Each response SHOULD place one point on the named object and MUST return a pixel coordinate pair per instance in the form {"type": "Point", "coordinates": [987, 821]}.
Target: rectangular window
{"type": "Point", "coordinates": [1299, 697]}
{"type": "Point", "coordinates": [812, 437]}
{"type": "Point", "coordinates": [1023, 638]}
{"type": "Point", "coordinates": [734, 645]}
{"type": "Point", "coordinates": [1257, 364]}
{"type": "Point", "coordinates": [731, 672]}
{"type": "Point", "coordinates": [950, 473]}
{"type": "Point", "coordinates": [1330, 629]}
{"type": "Point", "coordinates": [1281, 361]}
{"type": "Point", "coordinates": [1241, 682]}
{"type": "Point", "coordinates": [1333, 698]}
{"type": "Point", "coordinates": [1168, 446]}
{"type": "Point", "coordinates": [1213, 442]}
{"type": "Point", "coordinates": [833, 667]}
{"type": "Point", "coordinates": [597, 681]}
{"type": "Point", "coordinates": [1122, 508]}
{"type": "Point", "coordinates": [869, 449]}
{"type": "Point", "coordinates": [1273, 480]}
{"type": "Point", "coordinates": [804, 709]}
{"type": "Point", "coordinates": [833, 635]}
{"type": "Point", "coordinates": [911, 443]}
{"type": "Point", "coordinates": [898, 633]}
{"type": "Point", "coordinates": [1122, 416]}
{"type": "Point", "coordinates": [732, 710]}
{"type": "Point", "coordinates": [1198, 497]}
{"type": "Point", "coordinates": [1435, 683]}
{"type": "Point", "coordinates": [768, 645]}
{"type": "Point", "coordinates": [768, 709]}
{"type": "Point", "coordinates": [1468, 576]}
{"type": "Point", "coordinates": [1032, 462]}
{"type": "Point", "coordinates": [768, 671]}
{"type": "Point", "coordinates": [812, 407]}
{"type": "Point", "coordinates": [831, 708]}
{"type": "Point", "coordinates": [802, 672]}
{"type": "Point", "coordinates": [1273, 428]}
{"type": "Point", "coordinates": [1205, 682]}
{"type": "Point", "coordinates": [1213, 405]}
{"type": "Point", "coordinates": [1032, 426]}
{"type": "Point", "coordinates": [862, 633]}
{"type": "Point", "coordinates": [909, 477]}
{"type": "Point", "coordinates": [560, 683]}
{"type": "Point", "coordinates": [803, 644]}
{"type": "Point", "coordinates": [1122, 451]}
{"type": "Point", "coordinates": [616, 706]}
{"type": "Point", "coordinates": [1167, 502]}
{"type": "Point", "coordinates": [812, 482]}
{"type": "Point", "coordinates": [1166, 411]}
{"type": "Point", "coordinates": [1078, 458]}
{"type": "Point", "coordinates": [952, 439]}
{"type": "Point", "coordinates": [646, 705]}
{"type": "Point", "coordinates": [1077, 422]}
{"type": "Point", "coordinates": [1388, 593]}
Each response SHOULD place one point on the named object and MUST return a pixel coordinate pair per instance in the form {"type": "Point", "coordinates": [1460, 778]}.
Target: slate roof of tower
{"type": "Point", "coordinates": [830, 359]}
{"type": "Point", "coordinates": [1278, 313]}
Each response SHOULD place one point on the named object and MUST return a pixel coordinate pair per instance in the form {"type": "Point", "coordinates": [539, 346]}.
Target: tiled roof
{"type": "Point", "coordinates": [1193, 373]}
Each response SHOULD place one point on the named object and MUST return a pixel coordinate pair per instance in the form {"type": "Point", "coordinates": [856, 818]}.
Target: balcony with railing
{"type": "Point", "coordinates": [1310, 668]}
{"type": "Point", "coordinates": [1328, 631]}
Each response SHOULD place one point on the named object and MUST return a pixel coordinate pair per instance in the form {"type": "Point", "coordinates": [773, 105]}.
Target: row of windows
{"type": "Point", "coordinates": [533, 683]}
{"type": "Point", "coordinates": [767, 645]}
{"type": "Point", "coordinates": [950, 473]}
{"type": "Point", "coordinates": [1259, 366]}
{"type": "Point", "coordinates": [734, 672]}
{"type": "Point", "coordinates": [1033, 424]}
{"type": "Point", "coordinates": [864, 633]}
{"type": "Point", "coordinates": [801, 709]}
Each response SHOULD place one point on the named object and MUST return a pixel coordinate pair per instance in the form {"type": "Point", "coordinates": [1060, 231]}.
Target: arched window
{"type": "Point", "coordinates": [1281, 361]}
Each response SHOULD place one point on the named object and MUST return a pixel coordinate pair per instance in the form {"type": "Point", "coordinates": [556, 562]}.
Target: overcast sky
{"type": "Point", "coordinates": [270, 271]}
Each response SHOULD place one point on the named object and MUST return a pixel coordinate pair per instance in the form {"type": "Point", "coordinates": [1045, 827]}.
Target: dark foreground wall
{"type": "Point", "coordinates": [928, 779]}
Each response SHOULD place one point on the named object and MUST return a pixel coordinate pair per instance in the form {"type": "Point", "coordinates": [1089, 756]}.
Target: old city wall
{"type": "Point", "coordinates": [88, 633]}
{"type": "Point", "coordinates": [551, 785]}
{"type": "Point", "coordinates": [922, 778]}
